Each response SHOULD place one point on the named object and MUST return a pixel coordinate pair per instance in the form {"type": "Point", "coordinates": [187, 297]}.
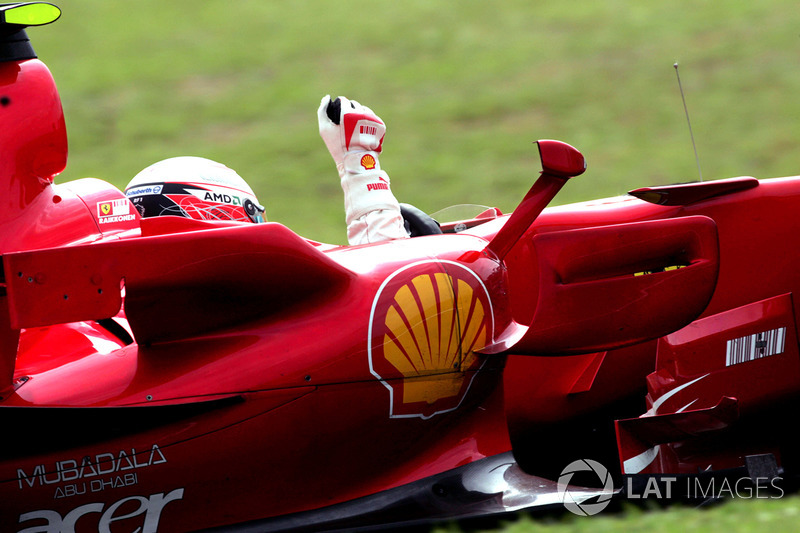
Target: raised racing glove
{"type": "Point", "coordinates": [354, 137]}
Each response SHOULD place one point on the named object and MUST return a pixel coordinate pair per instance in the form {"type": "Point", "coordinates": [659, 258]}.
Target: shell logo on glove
{"type": "Point", "coordinates": [427, 321]}
{"type": "Point", "coordinates": [368, 162]}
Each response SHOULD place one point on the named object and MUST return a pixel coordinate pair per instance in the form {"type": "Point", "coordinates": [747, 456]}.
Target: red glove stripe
{"type": "Point", "coordinates": [350, 121]}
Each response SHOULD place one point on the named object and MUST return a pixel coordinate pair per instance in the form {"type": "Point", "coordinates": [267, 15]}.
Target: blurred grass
{"type": "Point", "coordinates": [464, 88]}
{"type": "Point", "coordinates": [733, 516]}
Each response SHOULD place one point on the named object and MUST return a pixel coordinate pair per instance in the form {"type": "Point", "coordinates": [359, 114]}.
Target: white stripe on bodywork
{"type": "Point", "coordinates": [658, 403]}
{"type": "Point", "coordinates": [636, 464]}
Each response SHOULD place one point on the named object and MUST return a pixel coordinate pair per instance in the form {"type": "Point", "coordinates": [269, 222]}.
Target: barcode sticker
{"type": "Point", "coordinates": [752, 347]}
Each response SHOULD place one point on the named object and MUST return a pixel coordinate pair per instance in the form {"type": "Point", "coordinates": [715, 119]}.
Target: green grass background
{"type": "Point", "coordinates": [464, 87]}
{"type": "Point", "coordinates": [742, 516]}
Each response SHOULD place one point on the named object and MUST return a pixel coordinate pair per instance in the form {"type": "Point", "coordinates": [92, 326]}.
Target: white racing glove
{"type": "Point", "coordinates": [354, 137]}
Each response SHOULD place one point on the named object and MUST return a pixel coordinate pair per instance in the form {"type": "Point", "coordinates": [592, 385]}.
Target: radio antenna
{"type": "Point", "coordinates": [689, 122]}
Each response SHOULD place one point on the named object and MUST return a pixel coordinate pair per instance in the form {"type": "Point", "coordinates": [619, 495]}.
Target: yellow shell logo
{"type": "Point", "coordinates": [368, 162]}
{"type": "Point", "coordinates": [425, 331]}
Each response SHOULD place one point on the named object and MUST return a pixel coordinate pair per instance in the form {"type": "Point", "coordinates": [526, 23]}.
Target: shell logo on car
{"type": "Point", "coordinates": [427, 321]}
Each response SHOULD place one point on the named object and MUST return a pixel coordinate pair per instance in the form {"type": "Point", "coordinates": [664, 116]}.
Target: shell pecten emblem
{"type": "Point", "coordinates": [368, 162]}
{"type": "Point", "coordinates": [427, 321]}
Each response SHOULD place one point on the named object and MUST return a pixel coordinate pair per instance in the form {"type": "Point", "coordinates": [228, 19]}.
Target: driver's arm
{"type": "Point", "coordinates": [354, 137]}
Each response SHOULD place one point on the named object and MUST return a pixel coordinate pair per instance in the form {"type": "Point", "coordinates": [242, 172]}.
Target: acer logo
{"type": "Point", "coordinates": [147, 514]}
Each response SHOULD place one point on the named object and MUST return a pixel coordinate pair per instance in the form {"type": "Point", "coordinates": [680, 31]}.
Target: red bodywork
{"type": "Point", "coordinates": [169, 374]}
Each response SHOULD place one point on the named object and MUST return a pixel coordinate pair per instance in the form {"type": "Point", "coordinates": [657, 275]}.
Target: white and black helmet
{"type": "Point", "coordinates": [193, 187]}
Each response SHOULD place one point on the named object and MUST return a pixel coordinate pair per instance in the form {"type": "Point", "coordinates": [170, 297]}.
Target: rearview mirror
{"type": "Point", "coordinates": [560, 162]}
{"type": "Point", "coordinates": [560, 159]}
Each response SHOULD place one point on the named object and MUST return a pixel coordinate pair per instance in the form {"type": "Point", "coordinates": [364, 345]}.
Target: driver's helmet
{"type": "Point", "coordinates": [193, 187]}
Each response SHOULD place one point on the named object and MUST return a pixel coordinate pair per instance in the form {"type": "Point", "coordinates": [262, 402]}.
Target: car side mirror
{"type": "Point", "coordinates": [560, 162]}
{"type": "Point", "coordinates": [560, 159]}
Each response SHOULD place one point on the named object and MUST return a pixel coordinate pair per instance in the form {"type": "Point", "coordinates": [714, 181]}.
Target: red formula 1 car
{"type": "Point", "coordinates": [169, 374]}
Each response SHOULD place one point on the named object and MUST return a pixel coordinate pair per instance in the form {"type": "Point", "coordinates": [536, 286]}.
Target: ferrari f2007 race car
{"type": "Point", "coordinates": [170, 374]}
